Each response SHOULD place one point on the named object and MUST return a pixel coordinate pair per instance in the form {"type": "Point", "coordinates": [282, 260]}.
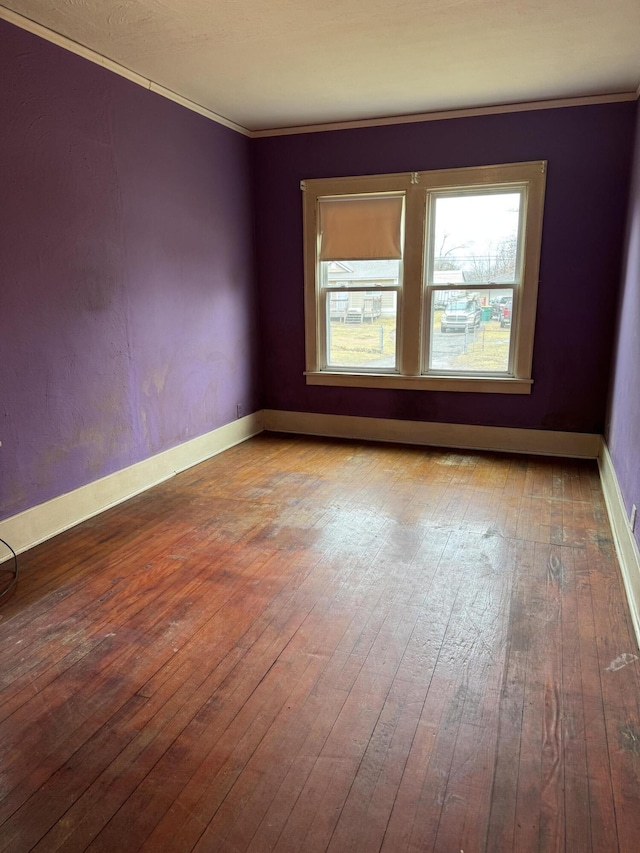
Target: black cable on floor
{"type": "Point", "coordinates": [15, 570]}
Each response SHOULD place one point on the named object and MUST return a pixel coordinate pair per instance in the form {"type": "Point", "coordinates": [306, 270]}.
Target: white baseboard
{"type": "Point", "coordinates": [626, 545]}
{"type": "Point", "coordinates": [41, 522]}
{"type": "Point", "coordinates": [461, 436]}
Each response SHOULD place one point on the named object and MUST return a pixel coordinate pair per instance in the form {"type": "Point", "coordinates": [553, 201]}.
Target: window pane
{"type": "Point", "coordinates": [471, 331]}
{"type": "Point", "coordinates": [475, 237]}
{"type": "Point", "coordinates": [361, 329]}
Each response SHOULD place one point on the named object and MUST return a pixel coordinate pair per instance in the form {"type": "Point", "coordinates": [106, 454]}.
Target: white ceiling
{"type": "Point", "coordinates": [278, 63]}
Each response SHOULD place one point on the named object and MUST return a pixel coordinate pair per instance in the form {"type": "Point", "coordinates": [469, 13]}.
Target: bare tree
{"type": "Point", "coordinates": [487, 268]}
{"type": "Point", "coordinates": [444, 258]}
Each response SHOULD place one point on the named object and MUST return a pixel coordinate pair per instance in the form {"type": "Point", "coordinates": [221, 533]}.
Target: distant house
{"type": "Point", "coordinates": [362, 305]}
{"type": "Point", "coordinates": [367, 305]}
{"type": "Point", "coordinates": [485, 297]}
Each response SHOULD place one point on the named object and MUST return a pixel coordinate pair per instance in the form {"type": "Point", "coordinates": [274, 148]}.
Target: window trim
{"type": "Point", "coordinates": [413, 342]}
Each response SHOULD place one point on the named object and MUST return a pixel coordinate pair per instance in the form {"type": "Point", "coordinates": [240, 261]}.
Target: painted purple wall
{"type": "Point", "coordinates": [623, 430]}
{"type": "Point", "coordinates": [589, 154]}
{"type": "Point", "coordinates": [127, 284]}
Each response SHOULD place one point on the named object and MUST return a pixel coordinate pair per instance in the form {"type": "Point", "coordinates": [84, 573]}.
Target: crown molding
{"type": "Point", "coordinates": [115, 67]}
{"type": "Point", "coordinates": [440, 115]}
{"type": "Point", "coordinates": [437, 115]}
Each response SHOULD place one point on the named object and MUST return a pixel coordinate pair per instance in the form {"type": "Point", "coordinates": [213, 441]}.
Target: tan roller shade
{"type": "Point", "coordinates": [361, 228]}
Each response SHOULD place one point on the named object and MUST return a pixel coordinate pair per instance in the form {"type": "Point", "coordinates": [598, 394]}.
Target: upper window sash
{"type": "Point", "coordinates": [457, 225]}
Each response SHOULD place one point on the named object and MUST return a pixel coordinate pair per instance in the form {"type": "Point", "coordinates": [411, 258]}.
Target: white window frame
{"type": "Point", "coordinates": [413, 317]}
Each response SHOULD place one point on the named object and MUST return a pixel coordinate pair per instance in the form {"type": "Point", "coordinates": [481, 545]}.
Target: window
{"type": "Point", "coordinates": [424, 280]}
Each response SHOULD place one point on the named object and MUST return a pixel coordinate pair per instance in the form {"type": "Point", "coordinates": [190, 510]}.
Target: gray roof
{"type": "Point", "coordinates": [347, 271]}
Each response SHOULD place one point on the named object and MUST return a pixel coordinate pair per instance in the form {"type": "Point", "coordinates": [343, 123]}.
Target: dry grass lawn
{"type": "Point", "coordinates": [373, 344]}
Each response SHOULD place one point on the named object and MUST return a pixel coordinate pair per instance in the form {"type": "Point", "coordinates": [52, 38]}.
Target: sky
{"type": "Point", "coordinates": [475, 223]}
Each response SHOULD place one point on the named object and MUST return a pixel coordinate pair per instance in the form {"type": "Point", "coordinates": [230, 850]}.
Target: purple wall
{"type": "Point", "coordinates": [589, 154]}
{"type": "Point", "coordinates": [623, 431]}
{"type": "Point", "coordinates": [128, 306]}
{"type": "Point", "coordinates": [127, 285]}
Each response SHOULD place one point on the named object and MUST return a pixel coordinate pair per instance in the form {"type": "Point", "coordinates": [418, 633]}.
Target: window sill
{"type": "Point", "coordinates": [481, 385]}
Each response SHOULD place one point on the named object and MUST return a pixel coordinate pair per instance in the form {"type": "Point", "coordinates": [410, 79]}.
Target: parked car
{"type": "Point", "coordinates": [505, 313]}
{"type": "Point", "coordinates": [497, 305]}
{"type": "Point", "coordinates": [461, 315]}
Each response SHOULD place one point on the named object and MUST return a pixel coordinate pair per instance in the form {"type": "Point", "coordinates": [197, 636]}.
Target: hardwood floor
{"type": "Point", "coordinates": [308, 645]}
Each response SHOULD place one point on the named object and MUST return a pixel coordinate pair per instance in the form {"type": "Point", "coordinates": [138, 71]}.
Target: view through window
{"type": "Point", "coordinates": [474, 270]}
{"type": "Point", "coordinates": [362, 307]}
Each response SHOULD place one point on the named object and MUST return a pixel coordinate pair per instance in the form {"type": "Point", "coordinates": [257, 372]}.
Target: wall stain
{"type": "Point", "coordinates": [157, 380]}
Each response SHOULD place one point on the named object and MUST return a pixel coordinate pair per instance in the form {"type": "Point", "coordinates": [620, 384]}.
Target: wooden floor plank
{"type": "Point", "coordinates": [577, 800]}
{"type": "Point", "coordinates": [464, 817]}
{"type": "Point", "coordinates": [501, 823]}
{"type": "Point", "coordinates": [315, 645]}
